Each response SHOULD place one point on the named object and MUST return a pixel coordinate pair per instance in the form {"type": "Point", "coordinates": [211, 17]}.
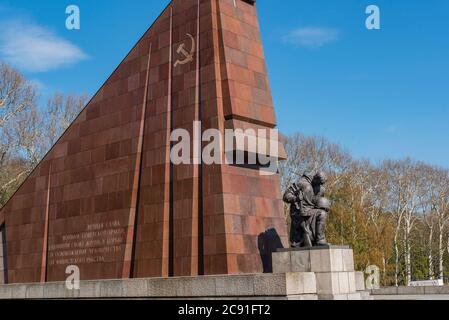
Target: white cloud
{"type": "Point", "coordinates": [312, 37]}
{"type": "Point", "coordinates": [34, 48]}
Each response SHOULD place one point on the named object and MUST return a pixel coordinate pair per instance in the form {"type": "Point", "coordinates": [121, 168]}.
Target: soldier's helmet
{"type": "Point", "coordinates": [323, 204]}
{"type": "Point", "coordinates": [321, 177]}
{"type": "Point", "coordinates": [308, 175]}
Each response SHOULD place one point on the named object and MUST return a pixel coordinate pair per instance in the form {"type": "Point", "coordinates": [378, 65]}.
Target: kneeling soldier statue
{"type": "Point", "coordinates": [308, 211]}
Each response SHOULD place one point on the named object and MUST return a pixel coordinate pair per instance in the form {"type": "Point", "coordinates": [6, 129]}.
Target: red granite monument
{"type": "Point", "coordinates": [107, 198]}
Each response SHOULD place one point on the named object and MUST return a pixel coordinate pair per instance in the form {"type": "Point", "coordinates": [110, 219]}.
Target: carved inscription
{"type": "Point", "coordinates": [98, 242]}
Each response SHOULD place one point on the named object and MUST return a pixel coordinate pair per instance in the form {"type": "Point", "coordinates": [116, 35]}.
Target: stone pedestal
{"type": "Point", "coordinates": [333, 267]}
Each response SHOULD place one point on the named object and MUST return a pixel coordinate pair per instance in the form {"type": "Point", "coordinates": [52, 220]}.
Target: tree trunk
{"type": "Point", "coordinates": [430, 255]}
{"type": "Point", "coordinates": [440, 253]}
{"type": "Point", "coordinates": [396, 261]}
{"type": "Point", "coordinates": [447, 245]}
{"type": "Point", "coordinates": [408, 268]}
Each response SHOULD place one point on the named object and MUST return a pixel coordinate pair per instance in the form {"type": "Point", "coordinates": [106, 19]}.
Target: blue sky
{"type": "Point", "coordinates": [379, 93]}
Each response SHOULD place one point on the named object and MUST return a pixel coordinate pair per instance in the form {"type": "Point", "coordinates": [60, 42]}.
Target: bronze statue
{"type": "Point", "coordinates": [308, 210]}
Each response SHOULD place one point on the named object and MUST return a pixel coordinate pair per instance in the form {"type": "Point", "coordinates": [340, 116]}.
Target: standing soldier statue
{"type": "Point", "coordinates": [308, 211]}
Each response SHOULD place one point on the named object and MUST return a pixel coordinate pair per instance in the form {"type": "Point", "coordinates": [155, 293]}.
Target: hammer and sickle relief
{"type": "Point", "coordinates": [188, 56]}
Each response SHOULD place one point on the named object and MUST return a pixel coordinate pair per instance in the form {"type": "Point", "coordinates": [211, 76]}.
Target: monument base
{"type": "Point", "coordinates": [333, 267]}
{"type": "Point", "coordinates": [286, 286]}
{"type": "Point", "coordinates": [325, 273]}
{"type": "Point", "coordinates": [411, 293]}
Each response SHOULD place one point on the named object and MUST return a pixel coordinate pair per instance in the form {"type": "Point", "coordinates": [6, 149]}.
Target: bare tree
{"type": "Point", "coordinates": [16, 94]}
{"type": "Point", "coordinates": [360, 187]}
{"type": "Point", "coordinates": [440, 202]}
{"type": "Point", "coordinates": [404, 184]}
{"type": "Point", "coordinates": [17, 97]}
{"type": "Point", "coordinates": [429, 221]}
{"type": "Point", "coordinates": [310, 154]}
{"type": "Point", "coordinates": [425, 206]}
{"type": "Point", "coordinates": [26, 131]}
{"type": "Point", "coordinates": [29, 132]}
{"type": "Point", "coordinates": [60, 113]}
{"type": "Point", "coordinates": [376, 185]}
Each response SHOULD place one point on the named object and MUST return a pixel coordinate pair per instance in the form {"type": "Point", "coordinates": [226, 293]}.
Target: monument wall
{"type": "Point", "coordinates": [107, 198]}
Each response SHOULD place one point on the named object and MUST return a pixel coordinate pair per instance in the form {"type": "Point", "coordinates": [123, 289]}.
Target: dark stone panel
{"type": "Point", "coordinates": [3, 256]}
